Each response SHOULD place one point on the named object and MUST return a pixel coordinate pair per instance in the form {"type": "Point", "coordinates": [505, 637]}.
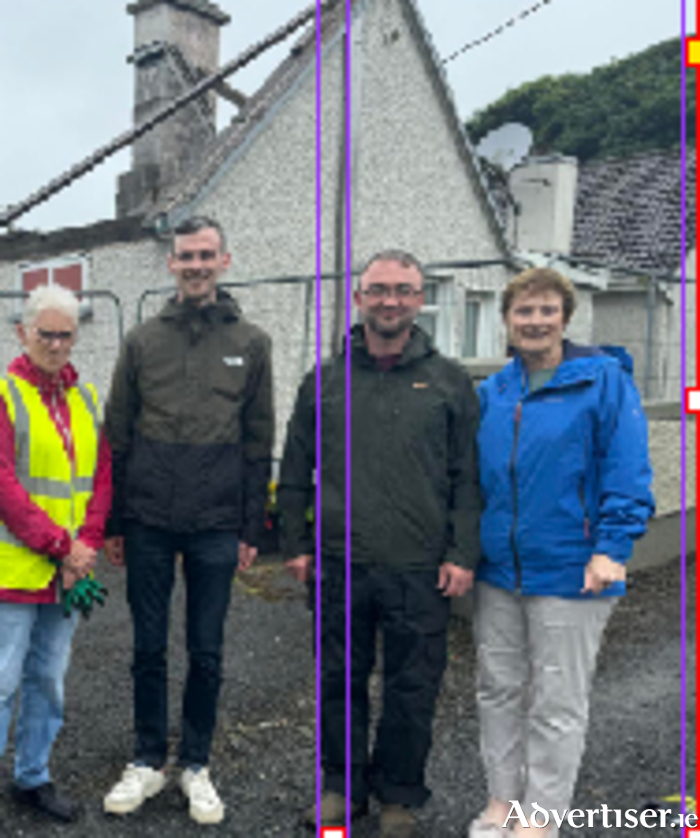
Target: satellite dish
{"type": "Point", "coordinates": [506, 146]}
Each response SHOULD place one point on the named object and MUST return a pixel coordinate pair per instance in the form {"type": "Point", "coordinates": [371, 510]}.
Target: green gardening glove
{"type": "Point", "coordinates": [83, 595]}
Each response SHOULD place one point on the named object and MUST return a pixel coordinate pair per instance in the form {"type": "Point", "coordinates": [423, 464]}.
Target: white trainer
{"type": "Point", "coordinates": [138, 783]}
{"type": "Point", "coordinates": [205, 803]}
{"type": "Point", "coordinates": [481, 828]}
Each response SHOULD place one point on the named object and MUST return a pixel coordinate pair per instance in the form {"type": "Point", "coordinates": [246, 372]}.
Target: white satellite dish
{"type": "Point", "coordinates": [506, 146]}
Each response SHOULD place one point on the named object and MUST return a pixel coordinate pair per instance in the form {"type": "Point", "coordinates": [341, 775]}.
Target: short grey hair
{"type": "Point", "coordinates": [53, 298]}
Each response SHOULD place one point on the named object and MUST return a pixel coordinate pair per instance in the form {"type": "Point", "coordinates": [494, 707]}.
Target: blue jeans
{"type": "Point", "coordinates": [35, 643]}
{"type": "Point", "coordinates": [209, 563]}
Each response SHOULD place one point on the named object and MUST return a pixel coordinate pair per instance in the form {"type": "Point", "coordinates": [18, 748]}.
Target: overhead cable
{"type": "Point", "coordinates": [498, 31]}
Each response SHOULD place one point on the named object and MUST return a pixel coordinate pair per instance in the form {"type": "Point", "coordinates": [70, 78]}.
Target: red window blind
{"type": "Point", "coordinates": [69, 276]}
{"type": "Point", "coordinates": [32, 279]}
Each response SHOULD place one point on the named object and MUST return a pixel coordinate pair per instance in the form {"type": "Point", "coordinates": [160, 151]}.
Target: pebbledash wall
{"type": "Point", "coordinates": [130, 268]}
{"type": "Point", "coordinates": [414, 185]}
{"type": "Point", "coordinates": [411, 186]}
{"type": "Point", "coordinates": [125, 268]}
{"type": "Point", "coordinates": [135, 266]}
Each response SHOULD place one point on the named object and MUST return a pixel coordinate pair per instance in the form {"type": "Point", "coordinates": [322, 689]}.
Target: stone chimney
{"type": "Point", "coordinates": [544, 192]}
{"type": "Point", "coordinates": [176, 43]}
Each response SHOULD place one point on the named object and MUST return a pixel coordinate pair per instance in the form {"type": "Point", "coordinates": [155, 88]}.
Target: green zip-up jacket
{"type": "Point", "coordinates": [415, 486]}
{"type": "Point", "coordinates": [190, 421]}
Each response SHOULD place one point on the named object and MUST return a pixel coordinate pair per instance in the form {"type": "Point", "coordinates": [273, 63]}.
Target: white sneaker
{"type": "Point", "coordinates": [205, 803]}
{"type": "Point", "coordinates": [138, 783]}
{"type": "Point", "coordinates": [480, 828]}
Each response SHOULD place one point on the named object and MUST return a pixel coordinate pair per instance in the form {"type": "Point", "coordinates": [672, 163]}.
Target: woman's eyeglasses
{"type": "Point", "coordinates": [50, 337]}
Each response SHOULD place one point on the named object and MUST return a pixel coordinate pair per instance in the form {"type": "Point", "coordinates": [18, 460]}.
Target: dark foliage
{"type": "Point", "coordinates": [627, 106]}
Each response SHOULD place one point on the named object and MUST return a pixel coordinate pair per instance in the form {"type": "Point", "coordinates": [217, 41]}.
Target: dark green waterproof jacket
{"type": "Point", "coordinates": [415, 487]}
{"type": "Point", "coordinates": [190, 421]}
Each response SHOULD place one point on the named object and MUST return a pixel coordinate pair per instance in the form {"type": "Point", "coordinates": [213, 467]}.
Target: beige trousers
{"type": "Point", "coordinates": [536, 660]}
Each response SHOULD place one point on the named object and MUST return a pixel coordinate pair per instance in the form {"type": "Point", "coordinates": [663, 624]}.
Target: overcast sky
{"type": "Point", "coordinates": [67, 89]}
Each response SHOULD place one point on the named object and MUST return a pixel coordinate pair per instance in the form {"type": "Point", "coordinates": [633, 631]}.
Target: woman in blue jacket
{"type": "Point", "coordinates": [565, 478]}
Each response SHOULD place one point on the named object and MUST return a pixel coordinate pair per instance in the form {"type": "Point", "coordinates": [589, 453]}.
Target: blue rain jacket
{"type": "Point", "coordinates": [564, 472]}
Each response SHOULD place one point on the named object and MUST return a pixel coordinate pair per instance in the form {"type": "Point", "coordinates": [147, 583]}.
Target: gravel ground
{"type": "Point", "coordinates": [264, 757]}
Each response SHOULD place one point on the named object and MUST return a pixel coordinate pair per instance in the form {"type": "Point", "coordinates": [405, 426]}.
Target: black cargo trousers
{"type": "Point", "coordinates": [405, 606]}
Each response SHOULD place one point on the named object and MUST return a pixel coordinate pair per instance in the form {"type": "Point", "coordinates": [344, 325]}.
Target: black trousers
{"type": "Point", "coordinates": [412, 615]}
{"type": "Point", "coordinates": [209, 563]}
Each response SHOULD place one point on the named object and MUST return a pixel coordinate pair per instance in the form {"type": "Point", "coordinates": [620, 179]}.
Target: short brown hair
{"type": "Point", "coordinates": [402, 257]}
{"type": "Point", "coordinates": [540, 279]}
{"type": "Point", "coordinates": [196, 223]}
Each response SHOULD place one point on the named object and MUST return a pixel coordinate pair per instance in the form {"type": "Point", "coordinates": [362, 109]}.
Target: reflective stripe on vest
{"type": "Point", "coordinates": [59, 486]}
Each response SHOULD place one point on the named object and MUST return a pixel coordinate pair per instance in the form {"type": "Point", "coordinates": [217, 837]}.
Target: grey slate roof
{"type": "Point", "coordinates": [282, 81]}
{"type": "Point", "coordinates": [628, 210]}
{"type": "Point", "coordinates": [203, 7]}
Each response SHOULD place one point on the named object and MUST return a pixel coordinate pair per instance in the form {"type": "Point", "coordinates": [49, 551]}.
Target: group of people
{"type": "Point", "coordinates": [530, 491]}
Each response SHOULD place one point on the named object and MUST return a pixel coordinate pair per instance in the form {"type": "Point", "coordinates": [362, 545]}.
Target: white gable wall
{"type": "Point", "coordinates": [126, 269]}
{"type": "Point", "coordinates": [266, 201]}
{"type": "Point", "coordinates": [410, 190]}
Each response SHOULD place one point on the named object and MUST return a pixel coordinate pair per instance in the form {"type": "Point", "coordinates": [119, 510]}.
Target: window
{"type": "Point", "coordinates": [434, 317]}
{"type": "Point", "coordinates": [470, 333]}
{"type": "Point", "coordinates": [69, 271]}
{"type": "Point", "coordinates": [478, 325]}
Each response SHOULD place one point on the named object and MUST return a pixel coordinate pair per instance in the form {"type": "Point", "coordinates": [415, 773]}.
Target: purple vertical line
{"type": "Point", "coordinates": [348, 417]}
{"type": "Point", "coordinates": [683, 417]}
{"type": "Point", "coordinates": [317, 515]}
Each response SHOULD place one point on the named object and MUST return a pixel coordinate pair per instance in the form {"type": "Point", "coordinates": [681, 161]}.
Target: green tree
{"type": "Point", "coordinates": [619, 109]}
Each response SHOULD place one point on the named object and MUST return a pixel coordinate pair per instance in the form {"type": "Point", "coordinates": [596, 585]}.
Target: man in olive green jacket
{"type": "Point", "coordinates": [190, 421]}
{"type": "Point", "coordinates": [414, 535]}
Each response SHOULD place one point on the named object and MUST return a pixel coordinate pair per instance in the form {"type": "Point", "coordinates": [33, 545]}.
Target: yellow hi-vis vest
{"type": "Point", "coordinates": [42, 465]}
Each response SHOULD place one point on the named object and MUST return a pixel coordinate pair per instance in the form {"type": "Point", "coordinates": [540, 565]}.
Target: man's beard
{"type": "Point", "coordinates": [388, 330]}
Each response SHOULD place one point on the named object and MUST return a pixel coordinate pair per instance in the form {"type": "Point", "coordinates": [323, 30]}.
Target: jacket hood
{"type": "Point", "coordinates": [24, 368]}
{"type": "Point", "coordinates": [580, 354]}
{"type": "Point", "coordinates": [225, 308]}
{"type": "Point", "coordinates": [419, 346]}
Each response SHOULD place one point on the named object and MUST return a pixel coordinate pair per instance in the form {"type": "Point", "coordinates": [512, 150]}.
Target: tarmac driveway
{"type": "Point", "coordinates": [264, 753]}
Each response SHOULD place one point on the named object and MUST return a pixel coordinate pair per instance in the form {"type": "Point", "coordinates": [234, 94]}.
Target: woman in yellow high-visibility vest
{"type": "Point", "coordinates": [55, 494]}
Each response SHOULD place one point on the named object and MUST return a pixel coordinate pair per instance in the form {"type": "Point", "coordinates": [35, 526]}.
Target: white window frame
{"type": "Point", "coordinates": [441, 310]}
{"type": "Point", "coordinates": [486, 332]}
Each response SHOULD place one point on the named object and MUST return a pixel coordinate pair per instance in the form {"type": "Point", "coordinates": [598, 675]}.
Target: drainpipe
{"type": "Point", "coordinates": [356, 74]}
{"type": "Point", "coordinates": [339, 217]}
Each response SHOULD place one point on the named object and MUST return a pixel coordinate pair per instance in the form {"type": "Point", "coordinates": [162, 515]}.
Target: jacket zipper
{"type": "Point", "coordinates": [586, 521]}
{"type": "Point", "coordinates": [514, 487]}
{"type": "Point", "coordinates": [582, 493]}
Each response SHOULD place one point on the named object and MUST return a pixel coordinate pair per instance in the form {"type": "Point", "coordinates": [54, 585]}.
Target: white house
{"type": "Point", "coordinates": [415, 184]}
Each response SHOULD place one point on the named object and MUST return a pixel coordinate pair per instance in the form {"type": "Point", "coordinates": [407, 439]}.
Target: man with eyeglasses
{"type": "Point", "coordinates": [413, 533]}
{"type": "Point", "coordinates": [190, 421]}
